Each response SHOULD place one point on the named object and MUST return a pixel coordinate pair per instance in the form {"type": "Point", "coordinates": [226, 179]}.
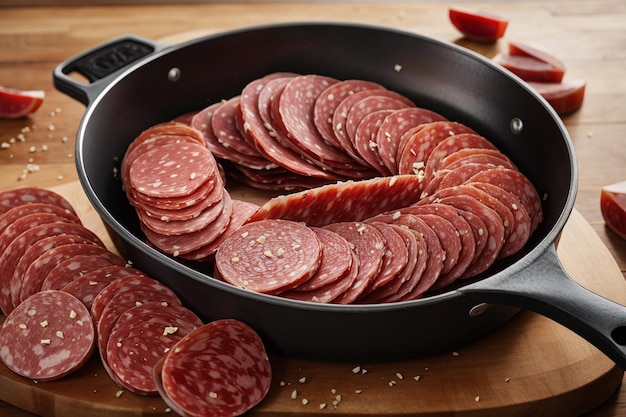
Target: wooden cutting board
{"type": "Point", "coordinates": [531, 366]}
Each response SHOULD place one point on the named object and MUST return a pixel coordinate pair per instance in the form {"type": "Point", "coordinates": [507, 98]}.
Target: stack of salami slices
{"type": "Point", "coordinates": [74, 295]}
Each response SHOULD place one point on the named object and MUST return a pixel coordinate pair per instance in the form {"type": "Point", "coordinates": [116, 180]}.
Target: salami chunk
{"type": "Point", "coordinates": [219, 369]}
{"type": "Point", "coordinates": [341, 202]}
{"type": "Point", "coordinates": [269, 256]}
{"type": "Point", "coordinates": [47, 337]}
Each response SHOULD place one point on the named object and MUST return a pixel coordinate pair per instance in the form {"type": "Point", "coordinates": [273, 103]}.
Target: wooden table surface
{"type": "Point", "coordinates": [589, 36]}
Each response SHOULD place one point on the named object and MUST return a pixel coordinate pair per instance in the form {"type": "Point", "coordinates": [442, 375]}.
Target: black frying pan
{"type": "Point", "coordinates": [135, 83]}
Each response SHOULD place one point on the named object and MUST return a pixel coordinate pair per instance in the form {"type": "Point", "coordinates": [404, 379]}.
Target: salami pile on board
{"type": "Point", "coordinates": [66, 296]}
{"type": "Point", "coordinates": [419, 201]}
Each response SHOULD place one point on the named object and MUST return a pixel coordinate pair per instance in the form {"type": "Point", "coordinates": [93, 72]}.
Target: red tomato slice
{"type": "Point", "coordinates": [478, 25]}
{"type": "Point", "coordinates": [613, 207]}
{"type": "Point", "coordinates": [522, 49]}
{"type": "Point", "coordinates": [564, 97]}
{"type": "Point", "coordinates": [19, 103]}
{"type": "Point", "coordinates": [529, 68]}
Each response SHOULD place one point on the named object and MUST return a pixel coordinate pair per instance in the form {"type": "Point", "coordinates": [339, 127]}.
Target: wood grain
{"type": "Point", "coordinates": [589, 36]}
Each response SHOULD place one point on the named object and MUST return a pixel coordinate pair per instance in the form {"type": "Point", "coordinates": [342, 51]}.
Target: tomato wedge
{"type": "Point", "coordinates": [523, 49]}
{"type": "Point", "coordinates": [529, 68]}
{"type": "Point", "coordinates": [19, 103]}
{"type": "Point", "coordinates": [613, 207]}
{"type": "Point", "coordinates": [564, 97]}
{"type": "Point", "coordinates": [478, 25]}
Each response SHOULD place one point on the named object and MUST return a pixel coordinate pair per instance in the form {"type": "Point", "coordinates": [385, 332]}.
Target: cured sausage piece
{"type": "Point", "coordinates": [331, 291]}
{"type": "Point", "coordinates": [202, 121]}
{"type": "Point", "coordinates": [395, 126]}
{"type": "Point", "coordinates": [268, 146]}
{"type": "Point", "coordinates": [369, 246]}
{"type": "Point", "coordinates": [275, 180]}
{"type": "Point", "coordinates": [265, 100]}
{"type": "Point", "coordinates": [517, 184]}
{"type": "Point", "coordinates": [450, 145]}
{"type": "Point", "coordinates": [454, 176]}
{"type": "Point", "coordinates": [25, 195]}
{"type": "Point", "coordinates": [168, 227]}
{"type": "Point", "coordinates": [476, 155]}
{"type": "Point", "coordinates": [39, 269]}
{"type": "Point", "coordinates": [120, 303]}
{"type": "Point", "coordinates": [13, 253]}
{"type": "Point", "coordinates": [340, 117]}
{"type": "Point", "coordinates": [70, 269]}
{"type": "Point", "coordinates": [172, 170]}
{"type": "Point", "coordinates": [328, 101]}
{"type": "Point", "coordinates": [219, 369]}
{"type": "Point", "coordinates": [241, 212]}
{"type": "Point", "coordinates": [448, 237]}
{"type": "Point", "coordinates": [464, 231]}
{"type": "Point", "coordinates": [226, 130]}
{"type": "Point", "coordinates": [365, 106]}
{"type": "Point", "coordinates": [395, 258]}
{"type": "Point", "coordinates": [191, 201]}
{"type": "Point", "coordinates": [188, 242]}
{"type": "Point", "coordinates": [341, 202]}
{"type": "Point", "coordinates": [417, 145]}
{"type": "Point", "coordinates": [88, 286]}
{"type": "Point", "coordinates": [365, 140]}
{"type": "Point", "coordinates": [336, 260]}
{"type": "Point", "coordinates": [269, 256]}
{"type": "Point", "coordinates": [47, 337]}
{"type": "Point", "coordinates": [520, 229]}
{"type": "Point", "coordinates": [11, 216]}
{"type": "Point", "coordinates": [135, 346]}
{"type": "Point", "coordinates": [129, 283]}
{"type": "Point", "coordinates": [171, 128]}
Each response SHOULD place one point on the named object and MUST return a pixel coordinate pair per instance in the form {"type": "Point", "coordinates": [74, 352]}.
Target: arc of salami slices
{"type": "Point", "coordinates": [47, 337]}
{"type": "Point", "coordinates": [197, 377]}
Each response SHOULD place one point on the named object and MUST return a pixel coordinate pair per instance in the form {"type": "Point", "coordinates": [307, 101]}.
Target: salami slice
{"type": "Point", "coordinates": [341, 202]}
{"type": "Point", "coordinates": [365, 140]}
{"type": "Point", "coordinates": [47, 337]}
{"type": "Point", "coordinates": [328, 101]}
{"type": "Point", "coordinates": [25, 195]}
{"type": "Point", "coordinates": [395, 258]}
{"type": "Point", "coordinates": [11, 216]}
{"type": "Point", "coordinates": [368, 105]}
{"type": "Point", "coordinates": [266, 99]}
{"type": "Point", "coordinates": [135, 346]}
{"type": "Point", "coordinates": [168, 227]}
{"type": "Point", "coordinates": [226, 130]}
{"type": "Point", "coordinates": [476, 155]}
{"type": "Point", "coordinates": [336, 260]}
{"type": "Point", "coordinates": [219, 369]}
{"type": "Point", "coordinates": [171, 128]}
{"type": "Point", "coordinates": [88, 286]}
{"type": "Point", "coordinates": [417, 145]}
{"type": "Point", "coordinates": [395, 126]}
{"type": "Point", "coordinates": [203, 122]}
{"type": "Point", "coordinates": [369, 246]}
{"type": "Point", "coordinates": [517, 184]}
{"type": "Point", "coordinates": [10, 258]}
{"type": "Point", "coordinates": [70, 269]}
{"type": "Point", "coordinates": [36, 273]}
{"type": "Point", "coordinates": [269, 256]}
{"type": "Point", "coordinates": [172, 170]}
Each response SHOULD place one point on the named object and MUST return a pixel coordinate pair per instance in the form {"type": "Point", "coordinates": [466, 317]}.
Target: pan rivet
{"type": "Point", "coordinates": [173, 74]}
{"type": "Point", "coordinates": [516, 126]}
{"type": "Point", "coordinates": [479, 309]}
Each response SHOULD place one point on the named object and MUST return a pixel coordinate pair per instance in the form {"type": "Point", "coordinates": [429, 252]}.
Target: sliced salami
{"type": "Point", "coordinates": [336, 260]}
{"type": "Point", "coordinates": [368, 105]}
{"type": "Point", "coordinates": [197, 377]}
{"type": "Point", "coordinates": [395, 258]}
{"type": "Point", "coordinates": [476, 155]}
{"type": "Point", "coordinates": [269, 256]}
{"type": "Point", "coordinates": [341, 202]}
{"type": "Point", "coordinates": [203, 122]}
{"type": "Point", "coordinates": [168, 227]}
{"type": "Point", "coordinates": [135, 347]}
{"type": "Point", "coordinates": [70, 269]}
{"type": "Point", "coordinates": [11, 216]}
{"type": "Point", "coordinates": [369, 246]}
{"type": "Point", "coordinates": [328, 101]}
{"type": "Point", "coordinates": [41, 267]}
{"type": "Point", "coordinates": [10, 258]}
{"type": "Point", "coordinates": [47, 337]}
{"type": "Point", "coordinates": [394, 127]}
{"type": "Point", "coordinates": [365, 140]}
{"type": "Point", "coordinates": [225, 128]}
{"type": "Point", "coordinates": [25, 195]}
{"type": "Point", "coordinates": [416, 146]}
{"type": "Point", "coordinates": [88, 286]}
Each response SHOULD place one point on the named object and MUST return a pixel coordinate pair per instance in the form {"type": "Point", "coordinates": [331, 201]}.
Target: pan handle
{"type": "Point", "coordinates": [100, 65]}
{"type": "Point", "coordinates": [545, 288]}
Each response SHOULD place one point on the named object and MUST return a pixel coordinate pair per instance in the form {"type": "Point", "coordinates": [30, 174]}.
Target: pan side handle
{"type": "Point", "coordinates": [100, 65]}
{"type": "Point", "coordinates": [545, 288]}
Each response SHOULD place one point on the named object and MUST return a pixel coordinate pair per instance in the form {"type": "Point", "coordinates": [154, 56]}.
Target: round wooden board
{"type": "Point", "coordinates": [531, 365]}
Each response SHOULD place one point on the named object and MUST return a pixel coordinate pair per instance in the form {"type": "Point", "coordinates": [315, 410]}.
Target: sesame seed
{"type": "Point", "coordinates": [45, 341]}
{"type": "Point", "coordinates": [119, 394]}
{"type": "Point", "coordinates": [302, 380]}
{"type": "Point", "coordinates": [268, 253]}
{"type": "Point", "coordinates": [60, 335]}
{"type": "Point", "coordinates": [212, 394]}
{"type": "Point", "coordinates": [305, 401]}
{"type": "Point", "coordinates": [22, 326]}
{"type": "Point", "coordinates": [261, 239]}
{"type": "Point", "coordinates": [44, 323]}
{"type": "Point", "coordinates": [356, 369]}
{"type": "Point", "coordinates": [72, 314]}
{"type": "Point", "coordinates": [294, 394]}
